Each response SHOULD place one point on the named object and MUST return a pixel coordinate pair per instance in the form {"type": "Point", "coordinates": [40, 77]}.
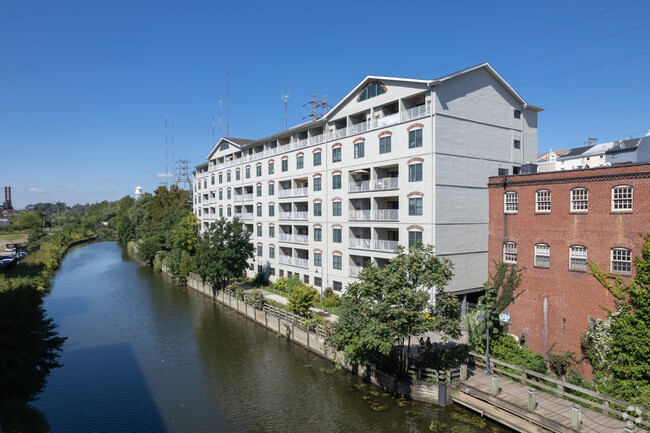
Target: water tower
{"type": "Point", "coordinates": [138, 192]}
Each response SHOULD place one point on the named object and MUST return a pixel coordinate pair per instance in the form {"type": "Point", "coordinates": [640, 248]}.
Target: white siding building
{"type": "Point", "coordinates": [397, 160]}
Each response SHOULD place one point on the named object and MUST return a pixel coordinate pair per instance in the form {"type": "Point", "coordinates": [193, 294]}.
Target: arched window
{"type": "Point", "coordinates": [622, 198]}
{"type": "Point", "coordinates": [542, 255]}
{"type": "Point", "coordinates": [374, 88]}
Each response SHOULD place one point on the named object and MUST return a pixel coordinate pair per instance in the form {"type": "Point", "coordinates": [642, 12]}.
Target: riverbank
{"type": "Point", "coordinates": [315, 340]}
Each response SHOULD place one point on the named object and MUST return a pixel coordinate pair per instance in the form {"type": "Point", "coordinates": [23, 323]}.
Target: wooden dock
{"type": "Point", "coordinates": [526, 409]}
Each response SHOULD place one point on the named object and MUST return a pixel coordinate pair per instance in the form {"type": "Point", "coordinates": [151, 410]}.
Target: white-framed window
{"type": "Point", "coordinates": [621, 261]}
{"type": "Point", "coordinates": [579, 199]}
{"type": "Point", "coordinates": [578, 258]}
{"type": "Point", "coordinates": [510, 252]}
{"type": "Point", "coordinates": [622, 198]}
{"type": "Point", "coordinates": [543, 200]}
{"type": "Point", "coordinates": [510, 202]}
{"type": "Point", "coordinates": [542, 255]}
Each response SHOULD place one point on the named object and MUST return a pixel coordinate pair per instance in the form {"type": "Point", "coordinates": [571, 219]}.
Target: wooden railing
{"type": "Point", "coordinates": [567, 391]}
{"type": "Point", "coordinates": [301, 322]}
{"type": "Point", "coordinates": [423, 374]}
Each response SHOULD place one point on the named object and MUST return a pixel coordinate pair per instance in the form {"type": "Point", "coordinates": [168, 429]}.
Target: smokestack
{"type": "Point", "coordinates": [7, 203]}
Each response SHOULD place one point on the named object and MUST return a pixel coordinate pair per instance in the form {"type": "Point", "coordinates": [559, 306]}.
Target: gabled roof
{"type": "Point", "coordinates": [238, 142]}
{"type": "Point", "coordinates": [629, 144]}
{"type": "Point", "coordinates": [431, 83]}
{"type": "Point", "coordinates": [576, 151]}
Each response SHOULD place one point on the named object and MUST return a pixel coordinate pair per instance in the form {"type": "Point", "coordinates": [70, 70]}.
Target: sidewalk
{"type": "Point", "coordinates": [282, 300]}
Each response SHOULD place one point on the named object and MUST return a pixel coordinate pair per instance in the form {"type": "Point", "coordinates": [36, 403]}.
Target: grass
{"type": "Point", "coordinates": [319, 305]}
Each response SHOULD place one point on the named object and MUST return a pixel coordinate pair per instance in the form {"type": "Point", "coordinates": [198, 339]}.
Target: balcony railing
{"type": "Point", "coordinates": [359, 215]}
{"type": "Point", "coordinates": [248, 216]}
{"type": "Point", "coordinates": [296, 239]}
{"type": "Point", "coordinates": [384, 184]}
{"type": "Point", "coordinates": [407, 115]}
{"type": "Point", "coordinates": [295, 261]}
{"type": "Point", "coordinates": [293, 192]}
{"type": "Point", "coordinates": [386, 215]}
{"type": "Point", "coordinates": [294, 216]}
{"type": "Point", "coordinates": [248, 197]}
{"type": "Point", "coordinates": [385, 245]}
{"type": "Point", "coordinates": [238, 197]}
{"type": "Point", "coordinates": [360, 243]}
{"type": "Point", "coordinates": [354, 271]}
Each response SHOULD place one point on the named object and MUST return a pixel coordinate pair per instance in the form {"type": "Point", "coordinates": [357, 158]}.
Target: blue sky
{"type": "Point", "coordinates": [84, 85]}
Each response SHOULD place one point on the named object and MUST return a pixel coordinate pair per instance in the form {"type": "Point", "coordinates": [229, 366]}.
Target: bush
{"type": "Point", "coordinates": [293, 282]}
{"type": "Point", "coordinates": [506, 348]}
{"type": "Point", "coordinates": [257, 299]}
{"type": "Point", "coordinates": [301, 299]}
{"type": "Point", "coordinates": [331, 299]}
{"type": "Point", "coordinates": [260, 279]}
{"type": "Point", "coordinates": [280, 284]}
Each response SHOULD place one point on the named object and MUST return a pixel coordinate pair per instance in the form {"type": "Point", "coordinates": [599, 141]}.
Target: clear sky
{"type": "Point", "coordinates": [84, 85]}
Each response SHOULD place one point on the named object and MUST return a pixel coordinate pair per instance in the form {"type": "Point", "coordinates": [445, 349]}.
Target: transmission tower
{"type": "Point", "coordinates": [318, 107]}
{"type": "Point", "coordinates": [183, 175]}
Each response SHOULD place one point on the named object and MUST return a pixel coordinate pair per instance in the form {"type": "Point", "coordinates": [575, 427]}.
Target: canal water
{"type": "Point", "coordinates": [144, 355]}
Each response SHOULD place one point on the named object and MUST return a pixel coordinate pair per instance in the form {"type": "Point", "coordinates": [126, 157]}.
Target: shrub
{"type": "Point", "coordinates": [506, 348]}
{"type": "Point", "coordinates": [330, 299]}
{"type": "Point", "coordinates": [280, 284]}
{"type": "Point", "coordinates": [293, 282]}
{"type": "Point", "coordinates": [301, 299]}
{"type": "Point", "coordinates": [257, 299]}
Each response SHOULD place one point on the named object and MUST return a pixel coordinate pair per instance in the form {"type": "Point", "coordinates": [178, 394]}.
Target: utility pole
{"type": "Point", "coordinates": [318, 107]}
{"type": "Point", "coordinates": [285, 98]}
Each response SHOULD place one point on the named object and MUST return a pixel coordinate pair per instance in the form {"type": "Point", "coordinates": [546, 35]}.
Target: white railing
{"type": "Point", "coordinates": [212, 200]}
{"type": "Point", "coordinates": [385, 245]}
{"type": "Point", "coordinates": [295, 261]}
{"type": "Point", "coordinates": [381, 122]}
{"type": "Point", "coordinates": [359, 215]}
{"type": "Point", "coordinates": [355, 271]}
{"type": "Point", "coordinates": [299, 216]}
{"type": "Point", "coordinates": [293, 192]}
{"type": "Point", "coordinates": [238, 197]}
{"type": "Point", "coordinates": [359, 186]}
{"type": "Point", "coordinates": [386, 215]}
{"type": "Point", "coordinates": [387, 183]}
{"type": "Point", "coordinates": [374, 185]}
{"type": "Point", "coordinates": [415, 113]}
{"type": "Point", "coordinates": [238, 215]}
{"type": "Point", "coordinates": [248, 216]}
{"type": "Point", "coordinates": [285, 260]}
{"type": "Point", "coordinates": [360, 243]}
{"type": "Point", "coordinates": [298, 239]}
{"type": "Point", "coordinates": [410, 114]}
{"type": "Point", "coordinates": [248, 197]}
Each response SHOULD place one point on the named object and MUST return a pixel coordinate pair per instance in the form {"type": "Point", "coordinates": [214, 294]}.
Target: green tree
{"type": "Point", "coordinates": [301, 299]}
{"type": "Point", "coordinates": [618, 348]}
{"type": "Point", "coordinates": [223, 252]}
{"type": "Point", "coordinates": [184, 235]}
{"type": "Point", "coordinates": [28, 220]}
{"type": "Point", "coordinates": [162, 201]}
{"type": "Point", "coordinates": [387, 306]}
{"type": "Point", "coordinates": [147, 249]}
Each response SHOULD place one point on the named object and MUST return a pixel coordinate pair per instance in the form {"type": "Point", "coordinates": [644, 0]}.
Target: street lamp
{"type": "Point", "coordinates": [487, 342]}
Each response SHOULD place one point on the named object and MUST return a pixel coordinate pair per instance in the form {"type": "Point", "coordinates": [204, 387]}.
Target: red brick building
{"type": "Point", "coordinates": [553, 224]}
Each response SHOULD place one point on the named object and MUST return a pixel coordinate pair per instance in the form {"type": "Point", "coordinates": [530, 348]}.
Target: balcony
{"type": "Point", "coordinates": [360, 243]}
{"type": "Point", "coordinates": [295, 261]}
{"type": "Point", "coordinates": [238, 197]}
{"type": "Point", "coordinates": [404, 116]}
{"type": "Point", "coordinates": [385, 245]}
{"type": "Point", "coordinates": [354, 271]}
{"type": "Point", "coordinates": [386, 215]}
{"type": "Point", "coordinates": [248, 216]}
{"type": "Point", "coordinates": [248, 197]}
{"type": "Point", "coordinates": [359, 215]}
{"type": "Point", "coordinates": [384, 184]}
{"type": "Point", "coordinates": [296, 239]}
{"type": "Point", "coordinates": [293, 192]}
{"type": "Point", "coordinates": [294, 216]}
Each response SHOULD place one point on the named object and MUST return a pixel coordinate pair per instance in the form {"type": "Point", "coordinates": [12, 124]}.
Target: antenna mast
{"type": "Point", "coordinates": [173, 156]}
{"type": "Point", "coordinates": [220, 132]}
{"type": "Point", "coordinates": [227, 105]}
{"type": "Point", "coordinates": [166, 167]}
{"type": "Point", "coordinates": [285, 98]}
{"type": "Point", "coordinates": [318, 107]}
{"type": "Point", "coordinates": [212, 132]}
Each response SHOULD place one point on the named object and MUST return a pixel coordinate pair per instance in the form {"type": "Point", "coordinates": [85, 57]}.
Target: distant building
{"type": "Point", "coordinates": [394, 162]}
{"type": "Point", "coordinates": [138, 192]}
{"type": "Point", "coordinates": [631, 150]}
{"type": "Point", "coordinates": [548, 161]}
{"type": "Point", "coordinates": [6, 210]}
{"type": "Point", "coordinates": [553, 224]}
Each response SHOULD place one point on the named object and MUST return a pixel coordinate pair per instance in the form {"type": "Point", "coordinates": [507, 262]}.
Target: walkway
{"type": "Point", "coordinates": [551, 412]}
{"type": "Point", "coordinates": [282, 300]}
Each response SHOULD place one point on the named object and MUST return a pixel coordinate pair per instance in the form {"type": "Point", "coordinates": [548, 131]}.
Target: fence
{"type": "Point", "coordinates": [567, 391]}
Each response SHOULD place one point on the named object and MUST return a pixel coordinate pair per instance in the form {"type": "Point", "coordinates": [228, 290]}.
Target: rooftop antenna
{"type": "Point", "coordinates": [318, 107]}
{"type": "Point", "coordinates": [590, 140]}
{"type": "Point", "coordinates": [285, 98]}
{"type": "Point", "coordinates": [227, 105]}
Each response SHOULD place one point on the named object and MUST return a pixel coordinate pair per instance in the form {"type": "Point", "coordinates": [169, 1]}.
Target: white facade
{"type": "Point", "coordinates": [400, 160]}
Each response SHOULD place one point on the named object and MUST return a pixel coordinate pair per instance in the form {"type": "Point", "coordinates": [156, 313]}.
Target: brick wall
{"type": "Point", "coordinates": [554, 311]}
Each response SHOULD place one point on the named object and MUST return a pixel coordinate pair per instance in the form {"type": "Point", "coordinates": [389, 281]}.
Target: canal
{"type": "Point", "coordinates": [144, 355]}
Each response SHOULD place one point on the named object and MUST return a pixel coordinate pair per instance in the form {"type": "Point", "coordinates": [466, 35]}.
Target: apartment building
{"type": "Point", "coordinates": [395, 161]}
{"type": "Point", "coordinates": [553, 224]}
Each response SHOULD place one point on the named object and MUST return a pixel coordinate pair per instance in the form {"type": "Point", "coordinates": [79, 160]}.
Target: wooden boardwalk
{"type": "Point", "coordinates": [550, 413]}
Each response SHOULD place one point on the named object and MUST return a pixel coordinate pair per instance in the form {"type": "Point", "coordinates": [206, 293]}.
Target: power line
{"type": "Point", "coordinates": [538, 35]}
{"type": "Point", "coordinates": [575, 46]}
{"type": "Point", "coordinates": [583, 69]}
